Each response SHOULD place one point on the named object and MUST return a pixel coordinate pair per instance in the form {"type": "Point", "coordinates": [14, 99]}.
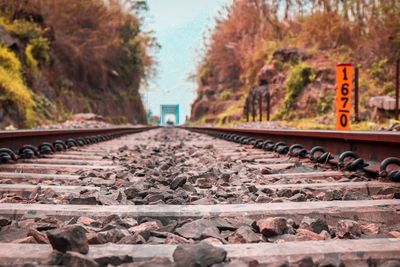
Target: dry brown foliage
{"type": "Point", "coordinates": [86, 39]}
{"type": "Point", "coordinates": [248, 30]}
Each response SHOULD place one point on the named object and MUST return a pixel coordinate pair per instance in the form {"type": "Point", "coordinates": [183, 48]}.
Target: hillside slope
{"type": "Point", "coordinates": [68, 56]}
{"type": "Point", "coordinates": [294, 46]}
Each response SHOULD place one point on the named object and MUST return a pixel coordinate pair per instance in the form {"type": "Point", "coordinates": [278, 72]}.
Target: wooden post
{"type": "Point", "coordinates": [247, 109]}
{"type": "Point", "coordinates": [356, 94]}
{"type": "Point", "coordinates": [268, 105]}
{"type": "Point", "coordinates": [260, 106]}
{"type": "Point", "coordinates": [397, 89]}
{"type": "Point", "coordinates": [253, 107]}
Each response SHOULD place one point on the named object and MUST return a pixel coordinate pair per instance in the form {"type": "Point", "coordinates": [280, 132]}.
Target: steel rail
{"type": "Point", "coordinates": [14, 140]}
{"type": "Point", "coordinates": [371, 146]}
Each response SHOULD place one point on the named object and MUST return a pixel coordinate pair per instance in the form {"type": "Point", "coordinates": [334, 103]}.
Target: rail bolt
{"type": "Point", "coordinates": [46, 148]}
{"type": "Point", "coordinates": [297, 150]}
{"type": "Point", "coordinates": [7, 155]}
{"type": "Point", "coordinates": [268, 145]}
{"type": "Point", "coordinates": [236, 138]}
{"type": "Point", "coordinates": [281, 148]}
{"type": "Point", "coordinates": [356, 164]}
{"type": "Point", "coordinates": [71, 142]}
{"type": "Point", "coordinates": [81, 141]}
{"type": "Point", "coordinates": [259, 143]}
{"type": "Point", "coordinates": [28, 151]}
{"type": "Point", "coordinates": [392, 175]}
{"type": "Point", "coordinates": [59, 145]}
{"type": "Point", "coordinates": [251, 141]}
{"type": "Point", "coordinates": [323, 156]}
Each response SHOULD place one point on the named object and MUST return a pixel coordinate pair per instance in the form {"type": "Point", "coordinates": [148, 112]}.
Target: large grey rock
{"type": "Point", "coordinates": [199, 255]}
{"type": "Point", "coordinates": [178, 182]}
{"type": "Point", "coordinates": [69, 238]}
{"type": "Point", "coordinates": [195, 229]}
{"type": "Point", "coordinates": [210, 232]}
{"type": "Point", "coordinates": [244, 234]}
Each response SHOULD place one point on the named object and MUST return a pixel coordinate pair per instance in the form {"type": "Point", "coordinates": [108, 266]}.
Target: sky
{"type": "Point", "coordinates": [179, 27]}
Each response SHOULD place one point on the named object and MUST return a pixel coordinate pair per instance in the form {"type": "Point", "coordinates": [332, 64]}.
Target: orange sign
{"type": "Point", "coordinates": [344, 89]}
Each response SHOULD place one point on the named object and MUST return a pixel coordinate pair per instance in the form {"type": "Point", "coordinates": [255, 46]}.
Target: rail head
{"type": "Point", "coordinates": [367, 136]}
{"type": "Point", "coordinates": [379, 149]}
{"type": "Point", "coordinates": [15, 141]}
{"type": "Point", "coordinates": [81, 131]}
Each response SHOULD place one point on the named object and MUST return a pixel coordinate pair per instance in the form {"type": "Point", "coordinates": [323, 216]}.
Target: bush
{"type": "Point", "coordinates": [225, 95]}
{"type": "Point", "coordinates": [94, 42]}
{"type": "Point", "coordinates": [37, 51]}
{"type": "Point", "coordinates": [9, 61]}
{"type": "Point", "coordinates": [23, 29]}
{"type": "Point", "coordinates": [13, 87]}
{"type": "Point", "coordinates": [378, 69]}
{"type": "Point", "coordinates": [30, 59]}
{"type": "Point", "coordinates": [300, 75]}
{"type": "Point", "coordinates": [324, 104]}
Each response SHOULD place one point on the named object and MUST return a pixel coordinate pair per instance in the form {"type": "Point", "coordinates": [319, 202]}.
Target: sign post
{"type": "Point", "coordinates": [344, 89]}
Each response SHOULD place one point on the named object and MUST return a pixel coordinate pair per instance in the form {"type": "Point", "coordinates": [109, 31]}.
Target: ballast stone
{"type": "Point", "coordinates": [69, 238]}
{"type": "Point", "coordinates": [200, 255]}
{"type": "Point", "coordinates": [271, 226]}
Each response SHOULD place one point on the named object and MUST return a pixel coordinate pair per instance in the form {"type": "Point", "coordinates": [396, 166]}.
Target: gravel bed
{"type": "Point", "coordinates": [175, 167]}
{"type": "Point", "coordinates": [158, 170]}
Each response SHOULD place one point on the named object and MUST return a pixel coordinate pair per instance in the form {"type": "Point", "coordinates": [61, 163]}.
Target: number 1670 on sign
{"type": "Point", "coordinates": [344, 88]}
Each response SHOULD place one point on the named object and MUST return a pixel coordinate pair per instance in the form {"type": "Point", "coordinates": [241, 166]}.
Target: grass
{"type": "Point", "coordinates": [234, 109]}
{"type": "Point", "coordinates": [312, 124]}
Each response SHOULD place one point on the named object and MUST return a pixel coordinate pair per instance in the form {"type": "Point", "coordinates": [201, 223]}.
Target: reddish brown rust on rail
{"type": "Point", "coordinates": [16, 139]}
{"type": "Point", "coordinates": [372, 146]}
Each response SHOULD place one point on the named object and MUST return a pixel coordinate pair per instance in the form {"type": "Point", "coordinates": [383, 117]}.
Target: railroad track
{"type": "Point", "coordinates": [165, 195]}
